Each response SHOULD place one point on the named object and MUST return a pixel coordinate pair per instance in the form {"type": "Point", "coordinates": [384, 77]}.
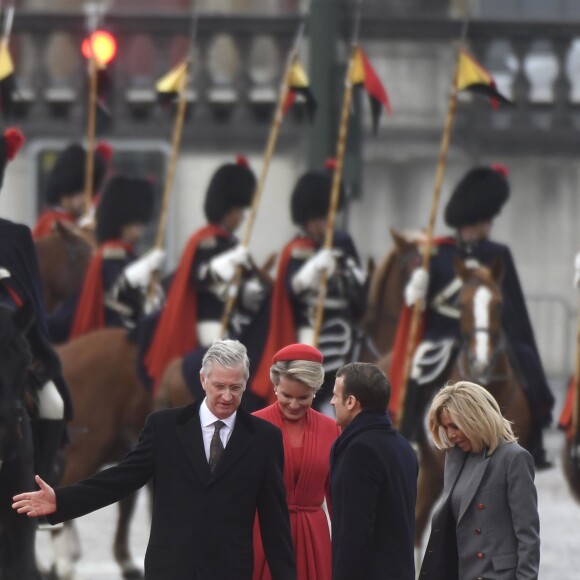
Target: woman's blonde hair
{"type": "Point", "coordinates": [474, 410]}
{"type": "Point", "coordinates": [308, 372]}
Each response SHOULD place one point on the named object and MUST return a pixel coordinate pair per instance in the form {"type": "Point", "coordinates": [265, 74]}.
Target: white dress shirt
{"type": "Point", "coordinates": [207, 420]}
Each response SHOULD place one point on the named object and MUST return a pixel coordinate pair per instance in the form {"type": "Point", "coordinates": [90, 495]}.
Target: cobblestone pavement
{"type": "Point", "coordinates": [560, 522]}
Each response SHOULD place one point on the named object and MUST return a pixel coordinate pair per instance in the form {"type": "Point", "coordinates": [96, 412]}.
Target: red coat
{"type": "Point", "coordinates": [308, 521]}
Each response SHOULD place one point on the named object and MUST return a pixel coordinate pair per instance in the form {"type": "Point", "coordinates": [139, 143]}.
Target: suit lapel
{"type": "Point", "coordinates": [191, 438]}
{"type": "Point", "coordinates": [240, 440]}
{"type": "Point", "coordinates": [473, 486]}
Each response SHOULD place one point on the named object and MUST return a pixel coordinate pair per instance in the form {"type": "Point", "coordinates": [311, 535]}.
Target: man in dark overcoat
{"type": "Point", "coordinates": [213, 466]}
{"type": "Point", "coordinates": [373, 478]}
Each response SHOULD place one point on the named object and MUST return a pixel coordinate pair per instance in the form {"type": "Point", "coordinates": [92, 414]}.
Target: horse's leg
{"type": "Point", "coordinates": [429, 486]}
{"type": "Point", "coordinates": [121, 550]}
{"type": "Point", "coordinates": [17, 550]}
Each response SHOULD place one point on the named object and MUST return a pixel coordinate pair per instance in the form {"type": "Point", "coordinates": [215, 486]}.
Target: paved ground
{"type": "Point", "coordinates": [560, 521]}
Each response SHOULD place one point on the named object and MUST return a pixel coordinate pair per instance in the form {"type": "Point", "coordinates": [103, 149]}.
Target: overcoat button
{"type": "Point", "coordinates": [480, 555]}
{"type": "Point", "coordinates": [478, 531]}
{"type": "Point", "coordinates": [480, 506]}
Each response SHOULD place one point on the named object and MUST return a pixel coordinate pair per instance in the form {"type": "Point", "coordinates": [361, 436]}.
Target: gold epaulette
{"type": "Point", "coordinates": [114, 253]}
{"type": "Point", "coordinates": [208, 243]}
{"type": "Point", "coordinates": [302, 253]}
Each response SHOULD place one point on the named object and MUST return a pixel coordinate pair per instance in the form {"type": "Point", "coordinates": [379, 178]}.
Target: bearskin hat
{"type": "Point", "coordinates": [125, 200]}
{"type": "Point", "coordinates": [68, 174]}
{"type": "Point", "coordinates": [478, 197]}
{"type": "Point", "coordinates": [10, 143]}
{"type": "Point", "coordinates": [311, 195]}
{"type": "Point", "coordinates": [231, 186]}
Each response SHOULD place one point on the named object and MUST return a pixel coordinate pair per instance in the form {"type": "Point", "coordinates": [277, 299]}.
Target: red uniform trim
{"type": "Point", "coordinates": [45, 224]}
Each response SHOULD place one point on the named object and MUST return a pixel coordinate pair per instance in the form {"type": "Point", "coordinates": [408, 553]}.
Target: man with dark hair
{"type": "Point", "coordinates": [214, 466]}
{"type": "Point", "coordinates": [373, 478]}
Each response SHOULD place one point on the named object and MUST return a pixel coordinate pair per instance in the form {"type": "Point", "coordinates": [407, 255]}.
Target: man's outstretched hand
{"type": "Point", "coordinates": [36, 503]}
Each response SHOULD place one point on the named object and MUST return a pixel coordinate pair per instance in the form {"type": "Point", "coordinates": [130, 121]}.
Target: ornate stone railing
{"type": "Point", "coordinates": [239, 61]}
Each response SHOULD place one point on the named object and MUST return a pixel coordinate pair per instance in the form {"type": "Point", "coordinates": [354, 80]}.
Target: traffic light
{"type": "Point", "coordinates": [104, 47]}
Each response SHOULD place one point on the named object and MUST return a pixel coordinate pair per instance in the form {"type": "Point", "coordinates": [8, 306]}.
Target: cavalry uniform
{"type": "Point", "coordinates": [296, 289]}
{"type": "Point", "coordinates": [192, 316]}
{"type": "Point", "coordinates": [111, 294]}
{"type": "Point", "coordinates": [20, 288]}
{"type": "Point", "coordinates": [477, 198]}
{"type": "Point", "coordinates": [65, 182]}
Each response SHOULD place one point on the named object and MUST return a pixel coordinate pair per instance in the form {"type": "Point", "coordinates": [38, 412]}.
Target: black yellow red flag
{"type": "Point", "coordinates": [476, 79]}
{"type": "Point", "coordinates": [169, 85]}
{"type": "Point", "coordinates": [298, 84]}
{"type": "Point", "coordinates": [363, 74]}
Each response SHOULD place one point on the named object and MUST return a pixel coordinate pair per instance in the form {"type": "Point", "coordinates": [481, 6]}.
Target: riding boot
{"type": "Point", "coordinates": [536, 447]}
{"type": "Point", "coordinates": [47, 437]}
{"type": "Point", "coordinates": [412, 412]}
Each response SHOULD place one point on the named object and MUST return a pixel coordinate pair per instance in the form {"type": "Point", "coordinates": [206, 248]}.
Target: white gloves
{"type": "Point", "coordinates": [577, 271]}
{"type": "Point", "coordinates": [138, 273]}
{"type": "Point", "coordinates": [224, 265]}
{"type": "Point", "coordinates": [357, 272]}
{"type": "Point", "coordinates": [87, 220]}
{"type": "Point", "coordinates": [252, 294]}
{"type": "Point", "coordinates": [308, 277]}
{"type": "Point", "coordinates": [416, 288]}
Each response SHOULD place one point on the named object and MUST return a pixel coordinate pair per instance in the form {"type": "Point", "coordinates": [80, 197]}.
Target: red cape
{"type": "Point", "coordinates": [45, 224]}
{"type": "Point", "coordinates": [397, 367]}
{"type": "Point", "coordinates": [282, 330]}
{"type": "Point", "coordinates": [565, 421]}
{"type": "Point", "coordinates": [90, 310]}
{"type": "Point", "coordinates": [176, 330]}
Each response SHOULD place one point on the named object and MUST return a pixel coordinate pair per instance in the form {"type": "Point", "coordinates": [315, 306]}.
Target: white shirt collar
{"type": "Point", "coordinates": [207, 418]}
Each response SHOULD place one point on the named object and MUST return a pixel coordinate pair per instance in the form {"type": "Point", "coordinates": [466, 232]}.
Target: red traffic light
{"type": "Point", "coordinates": [104, 46]}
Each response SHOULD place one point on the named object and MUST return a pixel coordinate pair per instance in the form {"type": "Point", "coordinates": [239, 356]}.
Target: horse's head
{"type": "Point", "coordinates": [15, 359]}
{"type": "Point", "coordinates": [480, 301]}
{"type": "Point", "coordinates": [63, 258]}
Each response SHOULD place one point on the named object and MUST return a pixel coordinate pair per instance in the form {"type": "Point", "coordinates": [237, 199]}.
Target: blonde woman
{"type": "Point", "coordinates": [487, 523]}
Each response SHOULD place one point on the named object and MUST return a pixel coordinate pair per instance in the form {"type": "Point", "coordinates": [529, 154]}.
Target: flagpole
{"type": "Point", "coordinates": [8, 21]}
{"type": "Point", "coordinates": [92, 23]}
{"type": "Point", "coordinates": [175, 145]}
{"type": "Point", "coordinates": [337, 175]}
{"type": "Point", "coordinates": [426, 249]}
{"type": "Point", "coordinates": [234, 287]}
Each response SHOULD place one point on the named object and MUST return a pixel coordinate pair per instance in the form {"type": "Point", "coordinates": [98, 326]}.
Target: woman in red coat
{"type": "Point", "coordinates": [297, 374]}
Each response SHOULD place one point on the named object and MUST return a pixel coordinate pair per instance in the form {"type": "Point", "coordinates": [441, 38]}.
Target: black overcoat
{"type": "Point", "coordinates": [201, 523]}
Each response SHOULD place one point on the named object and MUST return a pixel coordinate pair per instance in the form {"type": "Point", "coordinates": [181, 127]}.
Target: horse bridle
{"type": "Point", "coordinates": [500, 345]}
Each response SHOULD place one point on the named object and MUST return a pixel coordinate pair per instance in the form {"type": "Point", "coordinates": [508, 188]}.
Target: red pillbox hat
{"type": "Point", "coordinates": [298, 352]}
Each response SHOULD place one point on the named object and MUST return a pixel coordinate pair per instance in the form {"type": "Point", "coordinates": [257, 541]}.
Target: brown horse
{"type": "Point", "coordinates": [483, 358]}
{"type": "Point", "coordinates": [63, 258]}
{"type": "Point", "coordinates": [385, 300]}
{"type": "Point", "coordinates": [571, 465]}
{"type": "Point", "coordinates": [110, 410]}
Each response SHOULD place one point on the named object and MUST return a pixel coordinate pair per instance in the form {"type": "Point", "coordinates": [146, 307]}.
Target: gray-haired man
{"type": "Point", "coordinates": [213, 465]}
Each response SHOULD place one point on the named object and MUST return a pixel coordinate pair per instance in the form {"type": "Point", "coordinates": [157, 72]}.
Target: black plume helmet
{"type": "Point", "coordinates": [232, 186]}
{"type": "Point", "coordinates": [125, 200]}
{"type": "Point", "coordinates": [67, 177]}
{"type": "Point", "coordinates": [311, 195]}
{"type": "Point", "coordinates": [478, 197]}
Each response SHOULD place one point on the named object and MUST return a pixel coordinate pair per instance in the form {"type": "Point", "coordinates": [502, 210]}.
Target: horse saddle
{"type": "Point", "coordinates": [431, 359]}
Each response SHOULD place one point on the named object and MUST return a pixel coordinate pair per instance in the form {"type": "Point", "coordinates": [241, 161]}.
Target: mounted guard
{"type": "Point", "coordinates": [477, 199]}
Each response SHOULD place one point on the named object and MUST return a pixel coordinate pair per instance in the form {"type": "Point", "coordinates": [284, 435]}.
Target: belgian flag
{"type": "Point", "coordinates": [474, 78]}
{"type": "Point", "coordinates": [169, 85]}
{"type": "Point", "coordinates": [7, 79]}
{"type": "Point", "coordinates": [363, 74]}
{"type": "Point", "coordinates": [298, 83]}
